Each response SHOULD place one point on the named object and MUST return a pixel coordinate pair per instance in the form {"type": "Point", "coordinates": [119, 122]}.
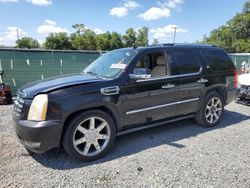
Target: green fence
{"type": "Point", "coordinates": [24, 66]}
{"type": "Point", "coordinates": [238, 59]}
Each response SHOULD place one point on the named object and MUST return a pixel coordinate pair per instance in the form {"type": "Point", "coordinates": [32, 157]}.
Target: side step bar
{"type": "Point", "coordinates": [127, 131]}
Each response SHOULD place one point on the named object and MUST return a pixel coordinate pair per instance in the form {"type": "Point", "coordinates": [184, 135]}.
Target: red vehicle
{"type": "Point", "coordinates": [5, 91]}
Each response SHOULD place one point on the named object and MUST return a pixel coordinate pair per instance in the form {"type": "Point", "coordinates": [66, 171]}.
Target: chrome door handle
{"type": "Point", "coordinates": [169, 86]}
{"type": "Point", "coordinates": [202, 80]}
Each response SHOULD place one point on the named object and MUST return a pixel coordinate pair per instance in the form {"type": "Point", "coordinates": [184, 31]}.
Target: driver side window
{"type": "Point", "coordinates": [153, 65]}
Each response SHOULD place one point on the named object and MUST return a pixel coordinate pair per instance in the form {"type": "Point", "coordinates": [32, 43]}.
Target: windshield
{"type": "Point", "coordinates": [110, 64]}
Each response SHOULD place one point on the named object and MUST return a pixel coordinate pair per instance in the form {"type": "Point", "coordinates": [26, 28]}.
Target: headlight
{"type": "Point", "coordinates": [38, 108]}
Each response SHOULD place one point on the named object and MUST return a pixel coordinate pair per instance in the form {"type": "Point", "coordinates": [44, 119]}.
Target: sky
{"type": "Point", "coordinates": [38, 18]}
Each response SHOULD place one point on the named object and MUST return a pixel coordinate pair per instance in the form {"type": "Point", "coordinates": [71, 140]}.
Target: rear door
{"type": "Point", "coordinates": [186, 66]}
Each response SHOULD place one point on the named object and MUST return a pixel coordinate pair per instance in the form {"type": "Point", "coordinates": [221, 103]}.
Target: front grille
{"type": "Point", "coordinates": [18, 106]}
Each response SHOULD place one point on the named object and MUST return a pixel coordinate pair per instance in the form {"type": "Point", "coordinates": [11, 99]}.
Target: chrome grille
{"type": "Point", "coordinates": [18, 106]}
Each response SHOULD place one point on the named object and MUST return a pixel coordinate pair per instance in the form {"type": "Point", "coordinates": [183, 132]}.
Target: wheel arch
{"type": "Point", "coordinates": [107, 109]}
{"type": "Point", "coordinates": [220, 89]}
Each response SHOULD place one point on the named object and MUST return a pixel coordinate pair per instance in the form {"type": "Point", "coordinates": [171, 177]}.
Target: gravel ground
{"type": "Point", "coordinates": [180, 154]}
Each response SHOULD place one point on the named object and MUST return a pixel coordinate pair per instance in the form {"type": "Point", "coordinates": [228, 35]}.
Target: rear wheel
{"type": "Point", "coordinates": [89, 135]}
{"type": "Point", "coordinates": [211, 110]}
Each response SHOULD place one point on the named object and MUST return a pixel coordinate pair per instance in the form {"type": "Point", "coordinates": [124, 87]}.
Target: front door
{"type": "Point", "coordinates": [151, 98]}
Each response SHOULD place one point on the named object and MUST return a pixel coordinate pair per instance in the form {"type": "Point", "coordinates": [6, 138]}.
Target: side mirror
{"type": "Point", "coordinates": [140, 73]}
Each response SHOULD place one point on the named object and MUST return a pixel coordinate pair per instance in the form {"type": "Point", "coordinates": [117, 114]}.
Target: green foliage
{"type": "Point", "coordinates": [58, 41]}
{"type": "Point", "coordinates": [129, 38]}
{"type": "Point", "coordinates": [27, 42]}
{"type": "Point", "coordinates": [235, 35]}
{"type": "Point", "coordinates": [85, 41]}
{"type": "Point", "coordinates": [116, 41]}
{"type": "Point", "coordinates": [103, 41]}
{"type": "Point", "coordinates": [80, 28]}
{"type": "Point", "coordinates": [142, 37]}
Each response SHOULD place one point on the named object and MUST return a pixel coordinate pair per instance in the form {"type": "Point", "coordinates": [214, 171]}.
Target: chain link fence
{"type": "Point", "coordinates": [24, 66]}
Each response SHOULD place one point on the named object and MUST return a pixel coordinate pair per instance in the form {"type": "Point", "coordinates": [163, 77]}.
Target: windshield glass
{"type": "Point", "coordinates": [110, 64]}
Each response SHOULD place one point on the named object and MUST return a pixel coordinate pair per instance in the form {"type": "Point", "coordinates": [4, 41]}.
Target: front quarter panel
{"type": "Point", "coordinates": [63, 103]}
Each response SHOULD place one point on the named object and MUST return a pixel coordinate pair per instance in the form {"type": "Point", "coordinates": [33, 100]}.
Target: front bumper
{"type": "Point", "coordinates": [38, 137]}
{"type": "Point", "coordinates": [243, 96]}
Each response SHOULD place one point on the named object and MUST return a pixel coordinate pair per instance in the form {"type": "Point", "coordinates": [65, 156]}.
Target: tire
{"type": "Point", "coordinates": [9, 98]}
{"type": "Point", "coordinates": [89, 135]}
{"type": "Point", "coordinates": [207, 116]}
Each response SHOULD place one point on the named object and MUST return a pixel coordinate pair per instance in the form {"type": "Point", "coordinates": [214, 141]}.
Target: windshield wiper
{"type": "Point", "coordinates": [94, 74]}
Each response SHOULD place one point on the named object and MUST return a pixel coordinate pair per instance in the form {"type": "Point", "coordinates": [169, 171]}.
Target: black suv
{"type": "Point", "coordinates": [122, 91]}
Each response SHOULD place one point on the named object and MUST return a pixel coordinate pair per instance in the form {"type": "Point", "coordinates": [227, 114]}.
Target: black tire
{"type": "Point", "coordinates": [29, 152]}
{"type": "Point", "coordinates": [201, 115]}
{"type": "Point", "coordinates": [9, 98]}
{"type": "Point", "coordinates": [70, 133]}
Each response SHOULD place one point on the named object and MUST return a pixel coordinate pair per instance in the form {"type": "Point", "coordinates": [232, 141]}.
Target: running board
{"type": "Point", "coordinates": [127, 131]}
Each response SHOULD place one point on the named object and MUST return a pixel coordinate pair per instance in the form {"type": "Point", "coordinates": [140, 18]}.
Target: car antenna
{"type": "Point", "coordinates": [134, 46]}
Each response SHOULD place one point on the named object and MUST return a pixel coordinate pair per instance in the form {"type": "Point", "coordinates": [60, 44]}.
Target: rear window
{"type": "Point", "coordinates": [185, 62]}
{"type": "Point", "coordinates": [218, 59]}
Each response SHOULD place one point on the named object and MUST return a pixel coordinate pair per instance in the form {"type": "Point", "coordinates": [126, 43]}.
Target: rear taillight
{"type": "Point", "coordinates": [235, 78]}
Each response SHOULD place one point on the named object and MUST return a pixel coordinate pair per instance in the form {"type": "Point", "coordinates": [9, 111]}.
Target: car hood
{"type": "Point", "coordinates": [244, 79]}
{"type": "Point", "coordinates": [57, 82]}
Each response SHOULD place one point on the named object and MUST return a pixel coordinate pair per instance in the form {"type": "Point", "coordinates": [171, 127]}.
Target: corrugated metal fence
{"type": "Point", "coordinates": [24, 66]}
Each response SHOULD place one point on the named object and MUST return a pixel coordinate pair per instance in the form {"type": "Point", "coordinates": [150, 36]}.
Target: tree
{"type": "Point", "coordinates": [58, 41]}
{"type": "Point", "coordinates": [129, 38]}
{"type": "Point", "coordinates": [235, 35]}
{"type": "Point", "coordinates": [155, 41]}
{"type": "Point", "coordinates": [86, 41]}
{"type": "Point", "coordinates": [103, 41]}
{"type": "Point", "coordinates": [80, 28]}
{"type": "Point", "coordinates": [116, 41]}
{"type": "Point", "coordinates": [142, 37]}
{"type": "Point", "coordinates": [27, 42]}
{"type": "Point", "coordinates": [246, 8]}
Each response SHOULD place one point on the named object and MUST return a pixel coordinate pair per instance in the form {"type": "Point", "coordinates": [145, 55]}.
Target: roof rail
{"type": "Point", "coordinates": [162, 44]}
{"type": "Point", "coordinates": [179, 44]}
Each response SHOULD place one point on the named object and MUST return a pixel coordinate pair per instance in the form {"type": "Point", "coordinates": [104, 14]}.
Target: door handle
{"type": "Point", "coordinates": [169, 86]}
{"type": "Point", "coordinates": [202, 80]}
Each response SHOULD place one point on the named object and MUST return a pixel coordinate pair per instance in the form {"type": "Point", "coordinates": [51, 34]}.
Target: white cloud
{"type": "Point", "coordinates": [40, 2]}
{"type": "Point", "coordinates": [50, 22]}
{"type": "Point", "coordinates": [163, 10]}
{"type": "Point", "coordinates": [122, 11]}
{"type": "Point", "coordinates": [50, 26]}
{"type": "Point", "coordinates": [119, 11]}
{"type": "Point", "coordinates": [131, 5]}
{"type": "Point", "coordinates": [155, 13]}
{"type": "Point", "coordinates": [167, 31]}
{"type": "Point", "coordinates": [8, 1]}
{"type": "Point", "coordinates": [9, 37]}
{"type": "Point", "coordinates": [98, 31]}
{"type": "Point", "coordinates": [172, 4]}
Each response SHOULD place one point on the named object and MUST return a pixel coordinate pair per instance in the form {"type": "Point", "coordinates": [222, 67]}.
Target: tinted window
{"type": "Point", "coordinates": [218, 60]}
{"type": "Point", "coordinates": [185, 61]}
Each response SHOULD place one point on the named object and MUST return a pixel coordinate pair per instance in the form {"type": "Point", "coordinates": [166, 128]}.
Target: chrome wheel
{"type": "Point", "coordinates": [91, 136]}
{"type": "Point", "coordinates": [213, 110]}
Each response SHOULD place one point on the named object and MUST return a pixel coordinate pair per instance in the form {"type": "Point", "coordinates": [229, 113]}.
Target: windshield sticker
{"type": "Point", "coordinates": [118, 66]}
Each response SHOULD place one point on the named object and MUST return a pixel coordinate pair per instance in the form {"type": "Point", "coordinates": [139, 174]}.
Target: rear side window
{"type": "Point", "coordinates": [185, 62]}
{"type": "Point", "coordinates": [218, 60]}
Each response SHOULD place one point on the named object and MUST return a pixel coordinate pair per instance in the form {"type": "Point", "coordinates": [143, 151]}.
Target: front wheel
{"type": "Point", "coordinates": [89, 135]}
{"type": "Point", "coordinates": [211, 110]}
